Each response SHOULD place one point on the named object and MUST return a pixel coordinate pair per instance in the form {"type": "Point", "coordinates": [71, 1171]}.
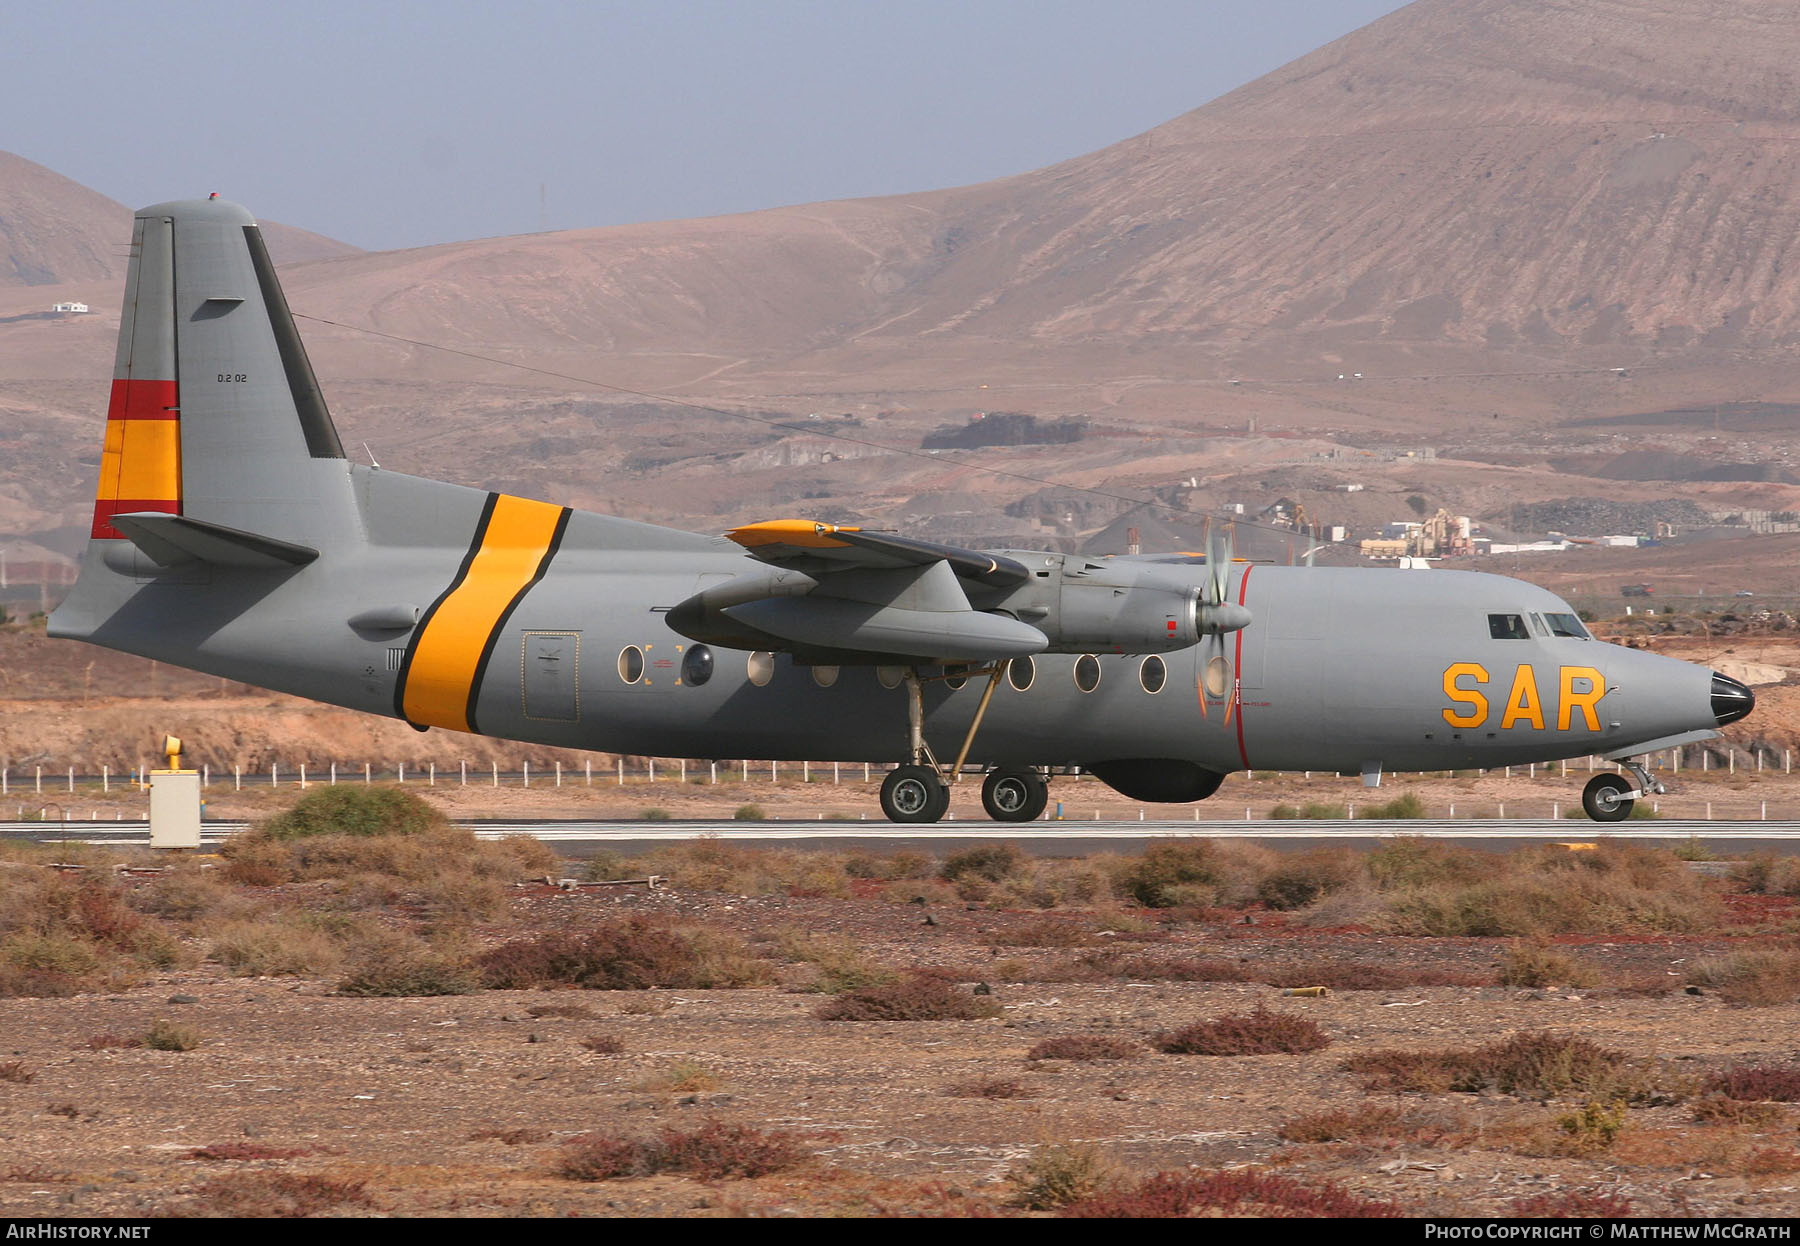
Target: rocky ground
{"type": "Point", "coordinates": [299, 1100]}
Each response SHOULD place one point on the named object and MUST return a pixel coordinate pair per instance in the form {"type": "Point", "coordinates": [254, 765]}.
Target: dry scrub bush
{"type": "Point", "coordinates": [1307, 878]}
{"type": "Point", "coordinates": [1237, 1192]}
{"type": "Point", "coordinates": [396, 963]}
{"type": "Point", "coordinates": [15, 1071]}
{"type": "Point", "coordinates": [839, 961]}
{"type": "Point", "coordinates": [1536, 1065]}
{"type": "Point", "coordinates": [1757, 976]}
{"type": "Point", "coordinates": [277, 946]}
{"type": "Point", "coordinates": [713, 1152]}
{"type": "Point", "coordinates": [1056, 1176]}
{"type": "Point", "coordinates": [1370, 1122]}
{"type": "Point", "coordinates": [718, 865]}
{"type": "Point", "coordinates": [626, 955]}
{"type": "Point", "coordinates": [1192, 873]}
{"type": "Point", "coordinates": [1776, 1083]}
{"type": "Point", "coordinates": [275, 1194]}
{"type": "Point", "coordinates": [565, 1012]}
{"type": "Point", "coordinates": [1721, 1110]}
{"type": "Point", "coordinates": [1573, 1205]}
{"type": "Point", "coordinates": [604, 1044]}
{"type": "Point", "coordinates": [917, 997]}
{"type": "Point", "coordinates": [1769, 875]}
{"type": "Point", "coordinates": [367, 836]}
{"type": "Point", "coordinates": [1616, 889]}
{"type": "Point", "coordinates": [165, 1035]}
{"type": "Point", "coordinates": [684, 1077]}
{"type": "Point", "coordinates": [1534, 965]}
{"type": "Point", "coordinates": [233, 1152]}
{"type": "Point", "coordinates": [1248, 1034]}
{"type": "Point", "coordinates": [1085, 1047]}
{"type": "Point", "coordinates": [988, 1088]}
{"type": "Point", "coordinates": [61, 935]}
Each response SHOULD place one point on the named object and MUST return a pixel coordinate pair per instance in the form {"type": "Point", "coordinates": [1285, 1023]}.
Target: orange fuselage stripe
{"type": "Point", "coordinates": [447, 658]}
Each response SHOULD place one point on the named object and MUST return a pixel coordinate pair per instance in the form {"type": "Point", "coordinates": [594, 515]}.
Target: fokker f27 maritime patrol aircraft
{"type": "Point", "coordinates": [231, 535]}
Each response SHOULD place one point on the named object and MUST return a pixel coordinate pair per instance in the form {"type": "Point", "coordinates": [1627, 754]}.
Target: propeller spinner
{"type": "Point", "coordinates": [1216, 616]}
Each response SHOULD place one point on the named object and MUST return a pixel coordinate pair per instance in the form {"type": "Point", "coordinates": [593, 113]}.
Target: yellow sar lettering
{"type": "Point", "coordinates": [1578, 692]}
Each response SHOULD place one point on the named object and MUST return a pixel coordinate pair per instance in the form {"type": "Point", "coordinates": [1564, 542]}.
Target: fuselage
{"type": "Point", "coordinates": [1340, 669]}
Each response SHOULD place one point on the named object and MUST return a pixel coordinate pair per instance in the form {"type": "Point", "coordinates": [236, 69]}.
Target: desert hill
{"type": "Point", "coordinates": [1479, 252]}
{"type": "Point", "coordinates": [54, 231]}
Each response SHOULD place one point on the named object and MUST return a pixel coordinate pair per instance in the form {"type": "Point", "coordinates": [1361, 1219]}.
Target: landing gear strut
{"type": "Point", "coordinates": [920, 790]}
{"type": "Point", "coordinates": [1610, 797]}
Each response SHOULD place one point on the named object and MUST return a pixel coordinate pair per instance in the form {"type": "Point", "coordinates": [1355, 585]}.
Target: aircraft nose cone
{"type": "Point", "coordinates": [1730, 699]}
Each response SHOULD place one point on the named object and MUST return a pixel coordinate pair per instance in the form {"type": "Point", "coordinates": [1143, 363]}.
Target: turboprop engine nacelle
{"type": "Point", "coordinates": [1103, 605]}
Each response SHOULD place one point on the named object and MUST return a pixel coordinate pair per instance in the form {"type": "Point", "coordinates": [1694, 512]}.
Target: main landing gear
{"type": "Point", "coordinates": [920, 790]}
{"type": "Point", "coordinates": [1610, 797]}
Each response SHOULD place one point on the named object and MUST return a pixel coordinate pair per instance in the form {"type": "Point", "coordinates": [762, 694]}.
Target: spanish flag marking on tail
{"type": "Point", "coordinates": [140, 467]}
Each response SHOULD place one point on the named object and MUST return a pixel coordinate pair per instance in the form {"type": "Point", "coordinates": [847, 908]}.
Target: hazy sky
{"type": "Point", "coordinates": [392, 123]}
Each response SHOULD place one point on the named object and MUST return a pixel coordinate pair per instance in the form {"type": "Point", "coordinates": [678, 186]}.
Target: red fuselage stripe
{"type": "Point", "coordinates": [1237, 670]}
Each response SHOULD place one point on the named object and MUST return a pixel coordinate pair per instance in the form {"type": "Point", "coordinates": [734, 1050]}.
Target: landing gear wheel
{"type": "Point", "coordinates": [1605, 800]}
{"type": "Point", "coordinates": [1014, 794]}
{"type": "Point", "coordinates": [914, 794]}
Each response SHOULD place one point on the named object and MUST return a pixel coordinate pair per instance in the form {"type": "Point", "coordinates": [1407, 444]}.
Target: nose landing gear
{"type": "Point", "coordinates": [1610, 797]}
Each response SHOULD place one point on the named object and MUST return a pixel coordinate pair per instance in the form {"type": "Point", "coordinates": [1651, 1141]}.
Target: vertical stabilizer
{"type": "Point", "coordinates": [140, 467]}
{"type": "Point", "coordinates": [215, 412]}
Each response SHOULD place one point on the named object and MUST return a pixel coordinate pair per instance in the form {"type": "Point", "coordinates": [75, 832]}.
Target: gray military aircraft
{"type": "Point", "coordinates": [232, 535]}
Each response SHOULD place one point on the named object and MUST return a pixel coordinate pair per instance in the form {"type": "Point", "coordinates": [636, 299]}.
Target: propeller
{"type": "Point", "coordinates": [1215, 616]}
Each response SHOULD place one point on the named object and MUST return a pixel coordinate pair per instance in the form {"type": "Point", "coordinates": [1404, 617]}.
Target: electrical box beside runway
{"type": "Point", "coordinates": [174, 808]}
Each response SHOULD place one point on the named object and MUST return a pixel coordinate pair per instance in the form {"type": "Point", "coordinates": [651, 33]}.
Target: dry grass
{"type": "Point", "coordinates": [1536, 965]}
{"type": "Point", "coordinates": [1057, 1176]}
{"type": "Point", "coordinates": [1754, 976]}
{"type": "Point", "coordinates": [276, 1194]}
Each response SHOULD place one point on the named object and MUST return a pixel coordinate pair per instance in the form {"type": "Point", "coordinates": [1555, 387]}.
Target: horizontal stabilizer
{"type": "Point", "coordinates": [814, 547]}
{"type": "Point", "coordinates": [932, 635]}
{"type": "Point", "coordinates": [173, 539]}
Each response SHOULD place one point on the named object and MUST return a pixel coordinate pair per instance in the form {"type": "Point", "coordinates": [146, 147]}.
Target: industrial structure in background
{"type": "Point", "coordinates": [1442, 536]}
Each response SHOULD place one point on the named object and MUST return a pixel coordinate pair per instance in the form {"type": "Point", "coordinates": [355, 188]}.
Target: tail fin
{"type": "Point", "coordinates": [215, 413]}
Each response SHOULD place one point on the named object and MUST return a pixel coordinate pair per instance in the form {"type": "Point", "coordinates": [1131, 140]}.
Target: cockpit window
{"type": "Point", "coordinates": [1567, 625]}
{"type": "Point", "coordinates": [1507, 627]}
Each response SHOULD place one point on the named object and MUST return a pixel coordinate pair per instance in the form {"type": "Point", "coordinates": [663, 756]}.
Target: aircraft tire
{"type": "Point", "coordinates": [1014, 794]}
{"type": "Point", "coordinates": [914, 794]}
{"type": "Point", "coordinates": [1604, 798]}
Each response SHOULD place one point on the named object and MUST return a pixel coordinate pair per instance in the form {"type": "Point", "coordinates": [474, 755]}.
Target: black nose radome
{"type": "Point", "coordinates": [1730, 699]}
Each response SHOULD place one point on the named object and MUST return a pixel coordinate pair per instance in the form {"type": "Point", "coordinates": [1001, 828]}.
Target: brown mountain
{"type": "Point", "coordinates": [54, 231]}
{"type": "Point", "coordinates": [1511, 175]}
{"type": "Point", "coordinates": [1480, 206]}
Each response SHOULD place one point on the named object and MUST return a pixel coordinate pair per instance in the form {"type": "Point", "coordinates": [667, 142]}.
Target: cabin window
{"type": "Point", "coordinates": [697, 666]}
{"type": "Point", "coordinates": [760, 667]}
{"type": "Point", "coordinates": [955, 677]}
{"type": "Point", "coordinates": [1567, 625]}
{"type": "Point", "coordinates": [1152, 674]}
{"type": "Point", "coordinates": [825, 676]}
{"type": "Point", "coordinates": [1020, 672]}
{"type": "Point", "coordinates": [1507, 627]}
{"type": "Point", "coordinates": [890, 676]}
{"type": "Point", "coordinates": [631, 664]}
{"type": "Point", "coordinates": [1087, 672]}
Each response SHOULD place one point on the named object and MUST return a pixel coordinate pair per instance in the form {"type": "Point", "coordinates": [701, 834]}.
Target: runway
{"type": "Point", "coordinates": [1062, 837]}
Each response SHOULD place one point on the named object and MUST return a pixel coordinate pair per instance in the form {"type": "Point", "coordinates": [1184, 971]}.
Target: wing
{"type": "Point", "coordinates": [860, 592]}
{"type": "Point", "coordinates": [821, 547]}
